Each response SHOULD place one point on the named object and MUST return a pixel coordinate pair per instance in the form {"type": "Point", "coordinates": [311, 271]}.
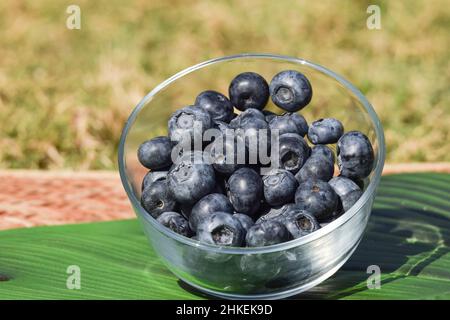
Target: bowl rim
{"type": "Point", "coordinates": [370, 190]}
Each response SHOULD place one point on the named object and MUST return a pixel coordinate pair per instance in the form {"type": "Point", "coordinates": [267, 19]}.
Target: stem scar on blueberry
{"type": "Point", "coordinates": [290, 159]}
{"type": "Point", "coordinates": [303, 223]}
{"type": "Point", "coordinates": [284, 94]}
{"type": "Point", "coordinates": [222, 235]}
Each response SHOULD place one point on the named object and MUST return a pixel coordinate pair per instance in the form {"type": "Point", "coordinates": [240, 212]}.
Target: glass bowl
{"type": "Point", "coordinates": [275, 271]}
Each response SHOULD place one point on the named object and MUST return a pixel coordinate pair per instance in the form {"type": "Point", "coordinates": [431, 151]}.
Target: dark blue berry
{"type": "Point", "coordinates": [276, 213]}
{"type": "Point", "coordinates": [189, 180]}
{"type": "Point", "coordinates": [355, 155]}
{"type": "Point", "coordinates": [324, 151]}
{"type": "Point", "coordinates": [249, 90]}
{"type": "Point", "coordinates": [245, 116]}
{"type": "Point", "coordinates": [251, 127]}
{"type": "Point", "coordinates": [267, 233]}
{"type": "Point", "coordinates": [157, 198]}
{"type": "Point", "coordinates": [228, 153]}
{"type": "Point", "coordinates": [153, 176]}
{"type": "Point", "coordinates": [325, 131]}
{"type": "Point", "coordinates": [289, 123]}
{"type": "Point", "coordinates": [293, 152]}
{"type": "Point", "coordinates": [185, 122]}
{"type": "Point", "coordinates": [175, 222]}
{"type": "Point", "coordinates": [222, 229]}
{"type": "Point", "coordinates": [347, 191]}
{"type": "Point", "coordinates": [185, 209]}
{"type": "Point", "coordinates": [222, 126]}
{"type": "Point", "coordinates": [218, 106]}
{"type": "Point", "coordinates": [257, 140]}
{"type": "Point", "coordinates": [206, 206]}
{"type": "Point", "coordinates": [299, 223]}
{"type": "Point", "coordinates": [279, 187]}
{"type": "Point", "coordinates": [245, 190]}
{"type": "Point", "coordinates": [269, 115]}
{"type": "Point", "coordinates": [317, 197]}
{"type": "Point", "coordinates": [245, 220]}
{"type": "Point", "coordinates": [290, 90]}
{"type": "Point", "coordinates": [155, 153]}
{"type": "Point", "coordinates": [318, 166]}
{"type": "Point", "coordinates": [300, 121]}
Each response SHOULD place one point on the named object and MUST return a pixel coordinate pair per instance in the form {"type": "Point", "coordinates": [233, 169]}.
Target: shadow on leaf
{"type": "Point", "coordinates": [402, 242]}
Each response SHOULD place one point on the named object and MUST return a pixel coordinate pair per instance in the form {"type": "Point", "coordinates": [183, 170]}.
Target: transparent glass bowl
{"type": "Point", "coordinates": [275, 271]}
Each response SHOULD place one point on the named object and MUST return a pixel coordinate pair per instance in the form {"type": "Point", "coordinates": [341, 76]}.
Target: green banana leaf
{"type": "Point", "coordinates": [407, 237]}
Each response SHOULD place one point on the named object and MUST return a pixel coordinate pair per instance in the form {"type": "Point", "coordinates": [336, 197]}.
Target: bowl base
{"type": "Point", "coordinates": [277, 294]}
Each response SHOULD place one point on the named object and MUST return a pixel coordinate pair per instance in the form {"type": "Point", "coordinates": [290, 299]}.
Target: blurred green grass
{"type": "Point", "coordinates": [65, 94]}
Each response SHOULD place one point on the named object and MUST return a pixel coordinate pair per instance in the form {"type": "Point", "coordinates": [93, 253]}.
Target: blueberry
{"type": "Point", "coordinates": [186, 121]}
{"type": "Point", "coordinates": [157, 198]}
{"type": "Point", "coordinates": [288, 123]}
{"type": "Point", "coordinates": [355, 155]}
{"type": "Point", "coordinates": [293, 152]}
{"type": "Point", "coordinates": [249, 90]}
{"type": "Point", "coordinates": [268, 115]}
{"type": "Point", "coordinates": [228, 153]}
{"type": "Point", "coordinates": [265, 210]}
{"type": "Point", "coordinates": [300, 121]}
{"type": "Point", "coordinates": [222, 126]}
{"type": "Point", "coordinates": [279, 187]}
{"type": "Point", "coordinates": [325, 131]}
{"type": "Point", "coordinates": [245, 190]}
{"type": "Point", "coordinates": [175, 222]}
{"type": "Point", "coordinates": [222, 229]}
{"type": "Point", "coordinates": [250, 126]}
{"type": "Point", "coordinates": [206, 206]}
{"type": "Point", "coordinates": [189, 180]}
{"type": "Point", "coordinates": [153, 176]}
{"type": "Point", "coordinates": [299, 223]}
{"type": "Point", "coordinates": [322, 150]}
{"type": "Point", "coordinates": [218, 106]}
{"type": "Point", "coordinates": [317, 166]}
{"type": "Point", "coordinates": [277, 213]}
{"type": "Point", "coordinates": [290, 90]}
{"type": "Point", "coordinates": [246, 117]}
{"type": "Point", "coordinates": [186, 209]}
{"type": "Point", "coordinates": [336, 214]}
{"type": "Point", "coordinates": [359, 182]}
{"type": "Point", "coordinates": [155, 153]}
{"type": "Point", "coordinates": [347, 191]}
{"type": "Point", "coordinates": [245, 220]}
{"type": "Point", "coordinates": [317, 197]}
{"type": "Point", "coordinates": [267, 233]}
{"type": "Point", "coordinates": [187, 155]}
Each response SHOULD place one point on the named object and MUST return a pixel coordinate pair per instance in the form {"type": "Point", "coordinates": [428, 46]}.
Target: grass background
{"type": "Point", "coordinates": [65, 94]}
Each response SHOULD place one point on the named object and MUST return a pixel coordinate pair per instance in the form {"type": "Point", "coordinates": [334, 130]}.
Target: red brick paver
{"type": "Point", "coordinates": [31, 198]}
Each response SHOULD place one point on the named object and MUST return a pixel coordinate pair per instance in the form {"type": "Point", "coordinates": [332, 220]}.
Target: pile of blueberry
{"type": "Point", "coordinates": [229, 203]}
